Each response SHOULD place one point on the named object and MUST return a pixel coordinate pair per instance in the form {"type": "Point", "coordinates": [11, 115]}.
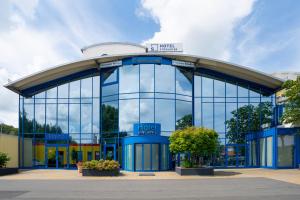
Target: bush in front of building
{"type": "Point", "coordinates": [3, 159]}
{"type": "Point", "coordinates": [196, 143]}
{"type": "Point", "coordinates": [101, 165]}
{"type": "Point", "coordinates": [101, 168]}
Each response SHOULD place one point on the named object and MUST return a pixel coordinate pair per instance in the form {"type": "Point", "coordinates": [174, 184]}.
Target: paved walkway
{"type": "Point", "coordinates": [290, 176]}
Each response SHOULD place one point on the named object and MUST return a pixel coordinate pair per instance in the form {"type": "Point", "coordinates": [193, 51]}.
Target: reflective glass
{"type": "Point", "coordinates": [110, 117]}
{"type": "Point", "coordinates": [86, 118]}
{"type": "Point", "coordinates": [184, 114]}
{"type": "Point", "coordinates": [96, 86]}
{"type": "Point", "coordinates": [285, 146]}
{"type": "Point", "coordinates": [110, 76]}
{"type": "Point", "coordinates": [219, 88]}
{"type": "Point", "coordinates": [164, 78]}
{"type": "Point", "coordinates": [138, 157]}
{"type": "Point", "coordinates": [51, 111]}
{"type": "Point", "coordinates": [208, 118]}
{"type": "Point", "coordinates": [220, 117]}
{"type": "Point", "coordinates": [40, 118]}
{"type": "Point", "coordinates": [164, 114]}
{"type": "Point", "coordinates": [231, 90]}
{"type": "Point", "coordinates": [63, 91]}
{"type": "Point", "coordinates": [62, 121]}
{"type": "Point", "coordinates": [146, 110]}
{"type": "Point", "coordinates": [129, 114]}
{"type": "Point", "coordinates": [86, 87]}
{"type": "Point", "coordinates": [129, 79]}
{"type": "Point", "coordinates": [75, 89]}
{"type": "Point", "coordinates": [147, 78]}
{"type": "Point", "coordinates": [207, 87]}
{"type": "Point", "coordinates": [147, 157]}
{"type": "Point", "coordinates": [184, 82]}
{"type": "Point", "coordinates": [155, 157]}
{"type": "Point", "coordinates": [197, 86]}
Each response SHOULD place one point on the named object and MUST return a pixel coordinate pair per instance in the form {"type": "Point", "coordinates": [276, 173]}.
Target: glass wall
{"type": "Point", "coordinates": [102, 109]}
{"type": "Point", "coordinates": [61, 124]}
{"type": "Point", "coordinates": [285, 149]}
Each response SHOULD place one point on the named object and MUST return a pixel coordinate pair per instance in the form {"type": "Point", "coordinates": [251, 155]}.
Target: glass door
{"type": "Point", "coordinates": [146, 157]}
{"type": "Point", "coordinates": [56, 156]}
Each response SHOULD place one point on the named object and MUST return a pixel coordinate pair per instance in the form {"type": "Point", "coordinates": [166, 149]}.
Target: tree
{"type": "Point", "coordinates": [7, 129]}
{"type": "Point", "coordinates": [292, 105]}
{"type": "Point", "coordinates": [3, 159]}
{"type": "Point", "coordinates": [248, 118]}
{"type": "Point", "coordinates": [195, 141]}
{"type": "Point", "coordinates": [184, 122]}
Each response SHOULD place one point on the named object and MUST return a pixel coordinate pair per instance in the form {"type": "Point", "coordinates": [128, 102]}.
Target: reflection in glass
{"type": "Point", "coordinates": [207, 87]}
{"type": "Point", "coordinates": [147, 156]}
{"type": "Point", "coordinates": [86, 87]}
{"type": "Point", "coordinates": [184, 114]}
{"type": "Point", "coordinates": [146, 110]}
{"type": "Point", "coordinates": [138, 157]}
{"type": "Point", "coordinates": [147, 78]}
{"type": "Point", "coordinates": [129, 79]}
{"type": "Point", "coordinates": [129, 114]}
{"type": "Point", "coordinates": [155, 157]}
{"type": "Point", "coordinates": [285, 146]}
{"type": "Point", "coordinates": [164, 78]}
{"type": "Point", "coordinates": [110, 117]}
{"type": "Point", "coordinates": [164, 114]}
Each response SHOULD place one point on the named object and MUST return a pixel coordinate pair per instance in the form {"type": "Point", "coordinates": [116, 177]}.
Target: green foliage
{"type": "Point", "coordinates": [184, 122]}
{"type": "Point", "coordinates": [292, 106]}
{"type": "Point", "coordinates": [110, 119]}
{"type": "Point", "coordinates": [3, 159]}
{"type": "Point", "coordinates": [7, 129]}
{"type": "Point", "coordinates": [101, 165]}
{"type": "Point", "coordinates": [197, 142]}
{"type": "Point", "coordinates": [247, 119]}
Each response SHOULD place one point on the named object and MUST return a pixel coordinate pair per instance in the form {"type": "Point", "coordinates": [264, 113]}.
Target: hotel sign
{"type": "Point", "coordinates": [164, 47]}
{"type": "Point", "coordinates": [146, 129]}
{"type": "Point", "coordinates": [183, 63]}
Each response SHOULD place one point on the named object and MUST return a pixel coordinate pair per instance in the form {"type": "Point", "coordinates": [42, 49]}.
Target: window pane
{"type": "Point", "coordinates": [86, 118]}
{"type": "Point", "coordinates": [208, 115]}
{"type": "Point", "coordinates": [110, 117]}
{"type": "Point", "coordinates": [155, 157]}
{"type": "Point", "coordinates": [51, 118]}
{"type": "Point", "coordinates": [220, 117]}
{"type": "Point", "coordinates": [197, 86]}
{"type": "Point", "coordinates": [269, 151]}
{"type": "Point", "coordinates": [75, 89]}
{"type": "Point", "coordinates": [262, 152]}
{"type": "Point", "coordinates": [197, 112]}
{"type": "Point", "coordinates": [184, 114]}
{"type": "Point", "coordinates": [86, 87]}
{"type": "Point", "coordinates": [183, 82]}
{"type": "Point", "coordinates": [147, 158]}
{"type": "Point", "coordinates": [129, 114]}
{"type": "Point", "coordinates": [164, 114]}
{"type": "Point", "coordinates": [96, 86]}
{"type": "Point", "coordinates": [146, 111]}
{"type": "Point", "coordinates": [62, 118]}
{"type": "Point", "coordinates": [138, 157]}
{"type": "Point", "coordinates": [164, 78]}
{"type": "Point", "coordinates": [40, 118]}
{"type": "Point", "coordinates": [207, 87]}
{"type": "Point", "coordinates": [110, 76]}
{"type": "Point", "coordinates": [129, 78]}
{"type": "Point", "coordinates": [147, 78]}
{"type": "Point", "coordinates": [285, 150]}
{"type": "Point", "coordinates": [219, 88]}
{"type": "Point", "coordinates": [63, 91]}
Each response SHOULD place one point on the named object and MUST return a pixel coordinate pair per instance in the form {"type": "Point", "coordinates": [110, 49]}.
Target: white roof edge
{"type": "Point", "coordinates": [109, 43]}
{"type": "Point", "coordinates": [94, 60]}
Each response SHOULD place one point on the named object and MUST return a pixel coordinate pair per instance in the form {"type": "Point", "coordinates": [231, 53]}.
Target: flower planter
{"type": "Point", "coordinates": [93, 172]}
{"type": "Point", "coordinates": [202, 171]}
{"type": "Point", "coordinates": [7, 171]}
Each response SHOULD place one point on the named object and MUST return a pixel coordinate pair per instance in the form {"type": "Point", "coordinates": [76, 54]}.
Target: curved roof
{"type": "Point", "coordinates": [109, 43]}
{"type": "Point", "coordinates": [264, 80]}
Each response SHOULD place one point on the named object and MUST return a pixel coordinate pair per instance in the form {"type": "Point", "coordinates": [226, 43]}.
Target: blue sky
{"type": "Point", "coordinates": [35, 34]}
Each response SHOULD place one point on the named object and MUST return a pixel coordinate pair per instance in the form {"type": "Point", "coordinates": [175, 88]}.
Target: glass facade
{"type": "Point", "coordinates": [82, 118]}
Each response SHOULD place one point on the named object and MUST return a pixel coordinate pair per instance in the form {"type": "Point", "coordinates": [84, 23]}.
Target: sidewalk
{"type": "Point", "coordinates": [290, 175]}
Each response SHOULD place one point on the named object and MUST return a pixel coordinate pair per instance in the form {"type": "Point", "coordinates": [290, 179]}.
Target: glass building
{"type": "Point", "coordinates": [124, 105]}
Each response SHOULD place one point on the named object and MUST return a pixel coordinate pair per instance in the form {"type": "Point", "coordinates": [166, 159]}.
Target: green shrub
{"type": "Point", "coordinates": [101, 165]}
{"type": "Point", "coordinates": [3, 159]}
{"type": "Point", "coordinates": [195, 142]}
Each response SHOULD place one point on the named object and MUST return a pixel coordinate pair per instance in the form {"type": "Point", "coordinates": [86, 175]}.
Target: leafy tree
{"type": "Point", "coordinates": [292, 105]}
{"type": "Point", "coordinates": [195, 141]}
{"type": "Point", "coordinates": [248, 118]}
{"type": "Point", "coordinates": [3, 159]}
{"type": "Point", "coordinates": [184, 122]}
{"type": "Point", "coordinates": [8, 129]}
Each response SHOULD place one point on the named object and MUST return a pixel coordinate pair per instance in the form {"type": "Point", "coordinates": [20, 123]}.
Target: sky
{"type": "Point", "coordinates": [35, 34]}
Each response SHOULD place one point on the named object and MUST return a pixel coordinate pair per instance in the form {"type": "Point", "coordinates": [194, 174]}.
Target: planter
{"type": "Point", "coordinates": [202, 171]}
{"type": "Point", "coordinates": [79, 167]}
{"type": "Point", "coordinates": [93, 172]}
{"type": "Point", "coordinates": [7, 171]}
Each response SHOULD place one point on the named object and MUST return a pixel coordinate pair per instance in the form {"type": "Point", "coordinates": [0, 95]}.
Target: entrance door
{"type": "Point", "coordinates": [56, 156]}
{"type": "Point", "coordinates": [235, 155]}
{"type": "Point", "coordinates": [146, 157]}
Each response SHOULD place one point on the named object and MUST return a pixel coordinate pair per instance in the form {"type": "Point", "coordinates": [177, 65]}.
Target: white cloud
{"type": "Point", "coordinates": [27, 47]}
{"type": "Point", "coordinates": [204, 27]}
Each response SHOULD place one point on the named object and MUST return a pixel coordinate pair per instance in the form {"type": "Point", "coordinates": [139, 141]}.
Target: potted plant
{"type": "Point", "coordinates": [101, 168]}
{"type": "Point", "coordinates": [79, 166]}
{"type": "Point", "coordinates": [3, 162]}
{"type": "Point", "coordinates": [197, 144]}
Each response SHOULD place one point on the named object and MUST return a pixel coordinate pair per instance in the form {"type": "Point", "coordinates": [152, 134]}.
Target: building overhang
{"type": "Point", "coordinates": [60, 74]}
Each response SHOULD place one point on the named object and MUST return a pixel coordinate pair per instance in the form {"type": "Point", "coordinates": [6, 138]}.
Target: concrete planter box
{"type": "Point", "coordinates": [93, 172]}
{"type": "Point", "coordinates": [7, 171]}
{"type": "Point", "coordinates": [202, 171]}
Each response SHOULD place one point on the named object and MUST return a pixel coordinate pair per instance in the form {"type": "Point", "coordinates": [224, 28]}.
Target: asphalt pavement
{"type": "Point", "coordinates": [204, 189]}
